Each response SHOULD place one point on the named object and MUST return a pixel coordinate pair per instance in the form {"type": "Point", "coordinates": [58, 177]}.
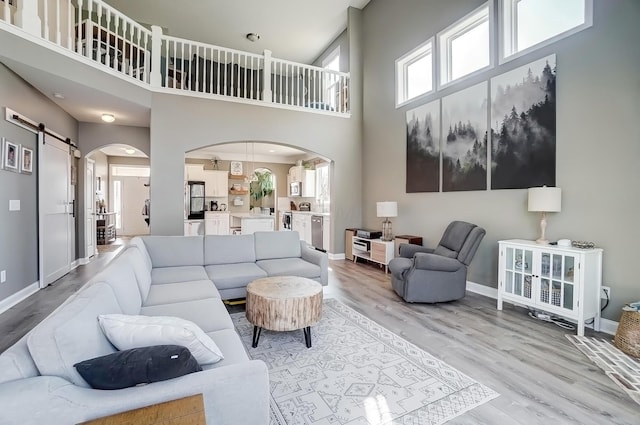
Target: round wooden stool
{"type": "Point", "coordinates": [283, 303]}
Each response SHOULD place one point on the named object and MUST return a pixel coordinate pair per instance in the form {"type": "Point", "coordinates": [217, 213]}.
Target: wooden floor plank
{"type": "Point", "coordinates": [541, 376]}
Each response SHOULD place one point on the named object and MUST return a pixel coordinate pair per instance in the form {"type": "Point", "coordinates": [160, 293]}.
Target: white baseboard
{"type": "Point", "coordinates": [22, 294]}
{"type": "Point", "coordinates": [84, 261]}
{"type": "Point", "coordinates": [606, 326]}
{"type": "Point", "coordinates": [487, 291]}
{"type": "Point", "coordinates": [336, 256]}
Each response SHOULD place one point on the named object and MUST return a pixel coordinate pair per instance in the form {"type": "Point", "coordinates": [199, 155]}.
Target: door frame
{"type": "Point", "coordinates": [90, 202]}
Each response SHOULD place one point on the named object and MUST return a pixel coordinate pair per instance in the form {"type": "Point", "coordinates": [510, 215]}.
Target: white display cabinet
{"type": "Point", "coordinates": [562, 281]}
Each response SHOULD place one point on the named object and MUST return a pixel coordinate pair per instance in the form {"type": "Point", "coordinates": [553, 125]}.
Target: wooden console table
{"type": "Point", "coordinates": [184, 411]}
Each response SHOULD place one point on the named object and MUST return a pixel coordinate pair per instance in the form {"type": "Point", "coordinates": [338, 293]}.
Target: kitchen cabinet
{"type": "Point", "coordinates": [216, 223]}
{"type": "Point", "coordinates": [252, 225]}
{"type": "Point", "coordinates": [295, 173]}
{"type": "Point", "coordinates": [561, 281]}
{"type": "Point", "coordinates": [216, 183]}
{"type": "Point", "coordinates": [301, 223]}
{"type": "Point", "coordinates": [193, 228]}
{"type": "Point", "coordinates": [195, 172]}
{"type": "Point", "coordinates": [326, 232]}
{"type": "Point", "coordinates": [307, 178]}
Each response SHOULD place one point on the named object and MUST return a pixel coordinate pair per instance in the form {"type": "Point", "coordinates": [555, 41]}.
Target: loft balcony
{"type": "Point", "coordinates": [93, 30]}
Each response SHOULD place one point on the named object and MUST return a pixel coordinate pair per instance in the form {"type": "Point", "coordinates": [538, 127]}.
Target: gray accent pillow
{"type": "Point", "coordinates": [124, 369]}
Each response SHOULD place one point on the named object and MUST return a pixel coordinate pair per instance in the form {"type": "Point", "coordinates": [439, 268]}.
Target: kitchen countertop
{"type": "Point", "coordinates": [251, 215]}
{"type": "Point", "coordinates": [310, 213]}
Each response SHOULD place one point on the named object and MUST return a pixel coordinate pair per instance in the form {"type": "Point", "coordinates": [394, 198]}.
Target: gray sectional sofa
{"type": "Point", "coordinates": [181, 276]}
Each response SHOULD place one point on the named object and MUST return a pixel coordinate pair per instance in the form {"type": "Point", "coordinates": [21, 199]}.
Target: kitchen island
{"type": "Point", "coordinates": [248, 223]}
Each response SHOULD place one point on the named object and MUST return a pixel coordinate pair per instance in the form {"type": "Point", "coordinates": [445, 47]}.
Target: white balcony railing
{"type": "Point", "coordinates": [97, 31]}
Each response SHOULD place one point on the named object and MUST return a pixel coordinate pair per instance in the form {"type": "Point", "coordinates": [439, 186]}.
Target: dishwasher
{"type": "Point", "coordinates": [316, 232]}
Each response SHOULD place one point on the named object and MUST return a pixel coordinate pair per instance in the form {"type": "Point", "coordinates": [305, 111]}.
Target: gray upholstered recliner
{"type": "Point", "coordinates": [427, 275]}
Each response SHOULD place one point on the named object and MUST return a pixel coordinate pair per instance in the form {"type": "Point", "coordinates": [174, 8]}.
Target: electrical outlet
{"type": "Point", "coordinates": [606, 293]}
{"type": "Point", "coordinates": [3, 276]}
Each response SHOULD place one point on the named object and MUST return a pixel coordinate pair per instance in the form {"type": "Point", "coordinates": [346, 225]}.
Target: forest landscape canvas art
{"type": "Point", "coordinates": [423, 148]}
{"type": "Point", "coordinates": [464, 145]}
{"type": "Point", "coordinates": [523, 126]}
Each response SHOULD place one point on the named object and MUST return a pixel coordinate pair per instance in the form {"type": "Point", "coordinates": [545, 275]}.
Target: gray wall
{"type": "Point", "coordinates": [18, 229]}
{"type": "Point", "coordinates": [598, 105]}
{"type": "Point", "coordinates": [93, 136]}
{"type": "Point", "coordinates": [180, 124]}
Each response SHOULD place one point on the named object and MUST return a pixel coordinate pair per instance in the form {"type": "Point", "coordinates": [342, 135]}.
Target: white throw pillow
{"type": "Point", "coordinates": [126, 332]}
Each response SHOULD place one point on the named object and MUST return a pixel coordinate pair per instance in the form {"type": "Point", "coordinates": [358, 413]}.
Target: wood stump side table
{"type": "Point", "coordinates": [283, 303]}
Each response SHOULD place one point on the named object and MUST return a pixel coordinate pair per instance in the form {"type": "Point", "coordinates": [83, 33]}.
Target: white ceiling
{"type": "Point", "coordinates": [258, 152]}
{"type": "Point", "coordinates": [296, 30]}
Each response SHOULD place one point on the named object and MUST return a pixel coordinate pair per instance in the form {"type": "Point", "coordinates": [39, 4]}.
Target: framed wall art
{"type": "Point", "coordinates": [423, 148]}
{"type": "Point", "coordinates": [464, 139]}
{"type": "Point", "coordinates": [10, 155]}
{"type": "Point", "coordinates": [26, 160]}
{"type": "Point", "coordinates": [523, 126]}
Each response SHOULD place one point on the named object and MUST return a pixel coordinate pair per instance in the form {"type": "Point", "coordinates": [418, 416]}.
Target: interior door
{"type": "Point", "coordinates": [90, 202]}
{"type": "Point", "coordinates": [55, 209]}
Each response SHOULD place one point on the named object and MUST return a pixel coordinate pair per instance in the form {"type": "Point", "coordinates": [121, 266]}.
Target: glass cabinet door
{"type": "Point", "coordinates": [557, 280]}
{"type": "Point", "coordinates": [518, 272]}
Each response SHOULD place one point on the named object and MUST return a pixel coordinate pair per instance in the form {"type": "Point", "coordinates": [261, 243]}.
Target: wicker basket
{"type": "Point", "coordinates": [627, 337]}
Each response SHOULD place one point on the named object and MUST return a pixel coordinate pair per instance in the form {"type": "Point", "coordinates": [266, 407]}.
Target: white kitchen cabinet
{"type": "Point", "coordinates": [195, 172]}
{"type": "Point", "coordinates": [216, 223]}
{"type": "Point", "coordinates": [216, 183]}
{"type": "Point", "coordinates": [193, 228]}
{"type": "Point", "coordinates": [295, 173]}
{"type": "Point", "coordinates": [326, 232]}
{"type": "Point", "coordinates": [561, 281]}
{"type": "Point", "coordinates": [301, 223]}
{"type": "Point", "coordinates": [252, 225]}
{"type": "Point", "coordinates": [308, 184]}
{"type": "Point", "coordinates": [306, 177]}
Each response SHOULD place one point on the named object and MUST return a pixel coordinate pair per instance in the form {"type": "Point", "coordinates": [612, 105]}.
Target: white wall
{"type": "Point", "coordinates": [598, 105]}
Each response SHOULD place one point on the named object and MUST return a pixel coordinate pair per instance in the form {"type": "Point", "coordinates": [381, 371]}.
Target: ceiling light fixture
{"type": "Point", "coordinates": [253, 37]}
{"type": "Point", "coordinates": [58, 95]}
{"type": "Point", "coordinates": [130, 151]}
{"type": "Point", "coordinates": [108, 118]}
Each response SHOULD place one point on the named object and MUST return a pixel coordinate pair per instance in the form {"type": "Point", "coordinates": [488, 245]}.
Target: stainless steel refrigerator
{"type": "Point", "coordinates": [194, 200]}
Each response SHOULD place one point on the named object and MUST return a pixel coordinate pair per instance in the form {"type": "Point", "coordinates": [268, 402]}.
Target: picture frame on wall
{"type": "Point", "coordinates": [10, 155]}
{"type": "Point", "coordinates": [26, 160]}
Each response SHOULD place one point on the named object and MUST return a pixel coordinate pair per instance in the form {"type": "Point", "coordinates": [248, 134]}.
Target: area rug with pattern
{"type": "Point", "coordinates": [624, 370]}
{"type": "Point", "coordinates": [357, 372]}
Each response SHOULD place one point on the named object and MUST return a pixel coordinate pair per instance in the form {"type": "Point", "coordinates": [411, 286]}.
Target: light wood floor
{"type": "Point", "coordinates": [541, 376]}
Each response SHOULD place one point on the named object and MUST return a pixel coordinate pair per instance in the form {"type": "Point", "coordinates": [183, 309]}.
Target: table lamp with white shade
{"type": "Point", "coordinates": [544, 199]}
{"type": "Point", "coordinates": [387, 209]}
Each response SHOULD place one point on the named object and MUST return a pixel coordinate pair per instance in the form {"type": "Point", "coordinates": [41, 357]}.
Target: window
{"type": "Point", "coordinates": [530, 24]}
{"type": "Point", "coordinates": [465, 47]}
{"type": "Point", "coordinates": [323, 198]}
{"type": "Point", "coordinates": [331, 83]}
{"type": "Point", "coordinates": [414, 73]}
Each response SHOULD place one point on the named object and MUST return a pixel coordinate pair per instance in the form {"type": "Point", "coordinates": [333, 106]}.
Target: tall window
{"type": "Point", "coordinates": [332, 81]}
{"type": "Point", "coordinates": [465, 47]}
{"type": "Point", "coordinates": [530, 24]}
{"type": "Point", "coordinates": [414, 73]}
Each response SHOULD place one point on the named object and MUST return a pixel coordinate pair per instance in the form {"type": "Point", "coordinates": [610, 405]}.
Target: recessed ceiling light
{"type": "Point", "coordinates": [108, 118]}
{"type": "Point", "coordinates": [130, 151]}
{"type": "Point", "coordinates": [58, 95]}
{"type": "Point", "coordinates": [272, 150]}
{"type": "Point", "coordinates": [253, 37]}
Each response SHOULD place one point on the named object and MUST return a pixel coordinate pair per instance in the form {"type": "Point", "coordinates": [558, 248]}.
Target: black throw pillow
{"type": "Point", "coordinates": [136, 366]}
